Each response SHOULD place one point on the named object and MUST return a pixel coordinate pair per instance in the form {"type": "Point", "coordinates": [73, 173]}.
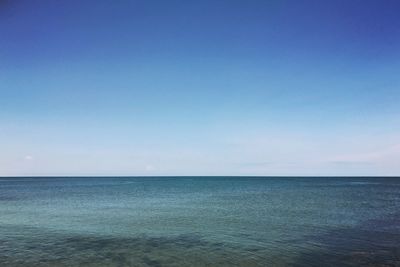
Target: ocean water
{"type": "Point", "coordinates": [199, 221]}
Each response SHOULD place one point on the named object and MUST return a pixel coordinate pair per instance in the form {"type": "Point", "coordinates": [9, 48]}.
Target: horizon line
{"type": "Point", "coordinates": [169, 176]}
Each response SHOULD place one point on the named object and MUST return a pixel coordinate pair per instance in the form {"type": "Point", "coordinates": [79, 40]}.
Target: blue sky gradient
{"type": "Point", "coordinates": [200, 87]}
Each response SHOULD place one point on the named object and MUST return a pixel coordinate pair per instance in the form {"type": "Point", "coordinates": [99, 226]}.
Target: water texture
{"type": "Point", "coordinates": [199, 221]}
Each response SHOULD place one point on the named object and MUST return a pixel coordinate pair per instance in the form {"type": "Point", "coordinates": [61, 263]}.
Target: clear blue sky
{"type": "Point", "coordinates": [212, 87]}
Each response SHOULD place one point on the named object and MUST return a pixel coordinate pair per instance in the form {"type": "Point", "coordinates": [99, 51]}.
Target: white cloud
{"type": "Point", "coordinates": [149, 167]}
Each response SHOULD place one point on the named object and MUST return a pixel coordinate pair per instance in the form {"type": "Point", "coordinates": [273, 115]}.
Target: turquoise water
{"type": "Point", "coordinates": [199, 221]}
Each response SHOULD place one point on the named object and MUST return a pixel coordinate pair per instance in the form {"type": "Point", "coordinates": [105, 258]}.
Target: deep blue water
{"type": "Point", "coordinates": [199, 221]}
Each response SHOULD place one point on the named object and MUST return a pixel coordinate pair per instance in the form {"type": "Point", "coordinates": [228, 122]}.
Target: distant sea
{"type": "Point", "coordinates": [199, 221]}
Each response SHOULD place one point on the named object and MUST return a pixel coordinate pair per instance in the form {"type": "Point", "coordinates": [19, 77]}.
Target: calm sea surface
{"type": "Point", "coordinates": [199, 221]}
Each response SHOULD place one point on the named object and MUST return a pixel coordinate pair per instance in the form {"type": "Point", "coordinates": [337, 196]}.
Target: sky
{"type": "Point", "coordinates": [211, 87]}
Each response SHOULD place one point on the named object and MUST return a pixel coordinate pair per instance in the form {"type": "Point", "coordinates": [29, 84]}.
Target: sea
{"type": "Point", "coordinates": [199, 221]}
